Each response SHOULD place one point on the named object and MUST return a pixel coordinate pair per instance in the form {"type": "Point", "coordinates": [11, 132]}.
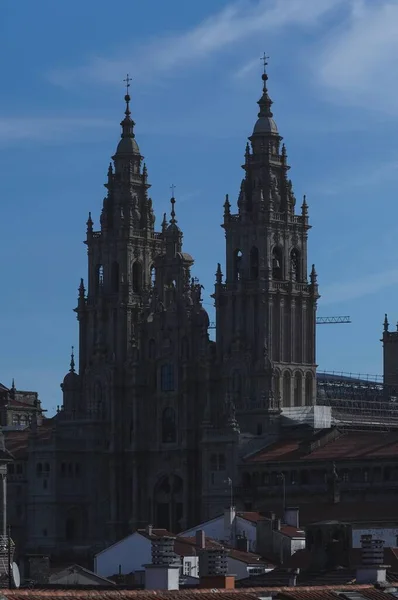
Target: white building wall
{"type": "Point", "coordinates": [215, 530]}
{"type": "Point", "coordinates": [126, 556]}
{"type": "Point", "coordinates": [190, 566]}
{"type": "Point", "coordinates": [388, 534]}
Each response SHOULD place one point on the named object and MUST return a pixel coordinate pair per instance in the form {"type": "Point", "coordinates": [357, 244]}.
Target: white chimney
{"type": "Point", "coordinates": [291, 517]}
{"type": "Point", "coordinates": [164, 572]}
{"type": "Point", "coordinates": [293, 577]}
{"type": "Point", "coordinates": [200, 539]}
{"type": "Point", "coordinates": [371, 570]}
{"type": "Point", "coordinates": [229, 518]}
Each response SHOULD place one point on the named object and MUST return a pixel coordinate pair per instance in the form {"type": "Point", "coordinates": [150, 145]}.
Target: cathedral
{"type": "Point", "coordinates": [154, 413]}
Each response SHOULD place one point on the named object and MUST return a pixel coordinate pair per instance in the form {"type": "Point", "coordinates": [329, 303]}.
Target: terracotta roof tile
{"type": "Point", "coordinates": [353, 445]}
{"type": "Point", "coordinates": [292, 532]}
{"type": "Point", "coordinates": [325, 592]}
{"type": "Point", "coordinates": [253, 517]}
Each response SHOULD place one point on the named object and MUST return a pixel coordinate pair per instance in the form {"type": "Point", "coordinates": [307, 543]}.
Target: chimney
{"type": "Point", "coordinates": [291, 517]}
{"type": "Point", "coordinates": [371, 570]}
{"type": "Point", "coordinates": [200, 539]}
{"type": "Point", "coordinates": [149, 529]}
{"type": "Point", "coordinates": [294, 573]}
{"type": "Point", "coordinates": [229, 518]}
{"type": "Point", "coordinates": [164, 572]}
{"type": "Point", "coordinates": [213, 570]}
{"type": "Point", "coordinates": [242, 543]}
{"type": "Point", "coordinates": [276, 524]}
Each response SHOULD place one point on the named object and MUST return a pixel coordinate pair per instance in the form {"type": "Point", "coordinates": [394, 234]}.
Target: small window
{"type": "Point", "coordinates": [19, 469]}
{"type": "Point", "coordinates": [169, 430]}
{"type": "Point", "coordinates": [167, 378]}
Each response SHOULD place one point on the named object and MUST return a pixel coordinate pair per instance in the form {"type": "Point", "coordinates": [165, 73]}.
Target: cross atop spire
{"type": "Point", "coordinates": [264, 60]}
{"type": "Point", "coordinates": [127, 81]}
{"type": "Point", "coordinates": [127, 96]}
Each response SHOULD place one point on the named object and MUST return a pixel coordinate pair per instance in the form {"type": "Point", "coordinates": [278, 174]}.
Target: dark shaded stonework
{"type": "Point", "coordinates": [154, 416]}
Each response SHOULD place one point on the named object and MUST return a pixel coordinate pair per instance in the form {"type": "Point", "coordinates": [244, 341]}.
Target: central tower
{"type": "Point", "coordinates": [266, 307]}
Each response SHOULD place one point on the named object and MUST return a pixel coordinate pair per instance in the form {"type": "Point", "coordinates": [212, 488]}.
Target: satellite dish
{"type": "Point", "coordinates": [16, 577]}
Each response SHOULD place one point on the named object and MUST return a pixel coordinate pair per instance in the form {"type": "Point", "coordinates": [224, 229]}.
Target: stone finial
{"type": "Point", "coordinates": [72, 361]}
{"type": "Point", "coordinates": [304, 206]}
{"type": "Point", "coordinates": [386, 323]}
{"type": "Point", "coordinates": [313, 276]}
{"type": "Point", "coordinates": [89, 223]}
{"type": "Point", "coordinates": [227, 206]}
{"type": "Point", "coordinates": [218, 274]}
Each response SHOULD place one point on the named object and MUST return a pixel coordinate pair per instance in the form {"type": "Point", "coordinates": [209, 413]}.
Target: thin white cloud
{"type": "Point", "coordinates": [222, 30]}
{"type": "Point", "coordinates": [358, 288]}
{"type": "Point", "coordinates": [365, 176]}
{"type": "Point", "coordinates": [358, 63]}
{"type": "Point", "coordinates": [46, 129]}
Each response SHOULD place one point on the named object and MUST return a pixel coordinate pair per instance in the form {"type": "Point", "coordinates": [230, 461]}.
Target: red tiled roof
{"type": "Point", "coordinates": [353, 445]}
{"type": "Point", "coordinates": [292, 532]}
{"type": "Point", "coordinates": [248, 557]}
{"type": "Point", "coordinates": [326, 593]}
{"type": "Point", "coordinates": [253, 517]}
{"type": "Point", "coordinates": [156, 533]}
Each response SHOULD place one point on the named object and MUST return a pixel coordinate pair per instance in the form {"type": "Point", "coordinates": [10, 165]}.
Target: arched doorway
{"type": "Point", "coordinates": [168, 503]}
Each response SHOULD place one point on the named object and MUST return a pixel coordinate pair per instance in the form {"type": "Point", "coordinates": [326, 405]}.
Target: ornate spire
{"type": "Point", "coordinates": [72, 361]}
{"type": "Point", "coordinates": [127, 123]}
{"type": "Point", "coordinates": [386, 323]}
{"type": "Point", "coordinates": [227, 206]}
{"type": "Point", "coordinates": [265, 101]}
{"type": "Point", "coordinates": [313, 276]}
{"type": "Point", "coordinates": [89, 223]}
{"type": "Point", "coordinates": [173, 219]}
{"type": "Point", "coordinates": [164, 223]}
{"type": "Point", "coordinates": [218, 274]}
{"type": "Point", "coordinates": [304, 207]}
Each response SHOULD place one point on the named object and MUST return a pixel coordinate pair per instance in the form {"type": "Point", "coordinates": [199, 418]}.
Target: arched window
{"type": "Point", "coordinates": [137, 277]}
{"type": "Point", "coordinates": [169, 430]}
{"type": "Point", "coordinates": [153, 275]}
{"type": "Point", "coordinates": [254, 263]}
{"type": "Point", "coordinates": [297, 389]}
{"type": "Point", "coordinates": [295, 265]}
{"type": "Point", "coordinates": [238, 265]}
{"type": "Point", "coordinates": [115, 277]}
{"type": "Point", "coordinates": [286, 389]}
{"type": "Point", "coordinates": [277, 263]}
{"type": "Point", "coordinates": [70, 529]}
{"type": "Point", "coordinates": [151, 349]}
{"type": "Point", "coordinates": [99, 277]}
{"type": "Point", "coordinates": [308, 389]}
{"type": "Point", "coordinates": [167, 378]}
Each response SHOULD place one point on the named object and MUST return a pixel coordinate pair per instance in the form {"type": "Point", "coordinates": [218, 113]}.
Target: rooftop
{"type": "Point", "coordinates": [343, 446]}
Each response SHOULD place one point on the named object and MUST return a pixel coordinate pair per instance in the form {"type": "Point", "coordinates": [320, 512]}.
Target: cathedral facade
{"type": "Point", "coordinates": [154, 413]}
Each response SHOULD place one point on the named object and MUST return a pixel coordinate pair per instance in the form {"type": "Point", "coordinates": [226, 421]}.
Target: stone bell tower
{"type": "Point", "coordinates": [265, 306]}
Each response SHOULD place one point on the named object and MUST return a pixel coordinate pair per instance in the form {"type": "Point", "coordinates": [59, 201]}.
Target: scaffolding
{"type": "Point", "coordinates": [7, 549]}
{"type": "Point", "coordinates": [358, 402]}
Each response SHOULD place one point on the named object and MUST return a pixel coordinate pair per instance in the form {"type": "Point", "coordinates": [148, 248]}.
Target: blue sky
{"type": "Point", "coordinates": [196, 79]}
